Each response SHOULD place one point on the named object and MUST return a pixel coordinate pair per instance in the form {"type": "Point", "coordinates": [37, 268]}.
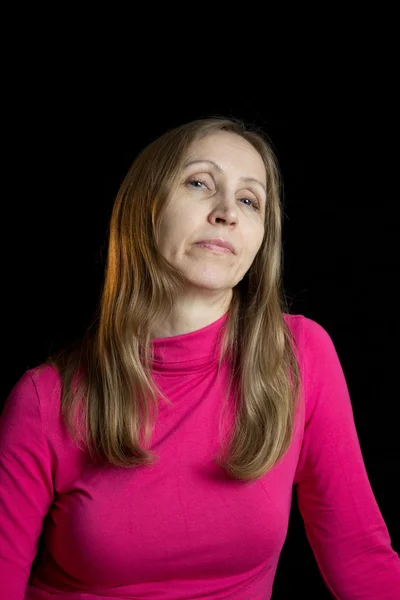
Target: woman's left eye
{"type": "Point", "coordinates": [254, 203]}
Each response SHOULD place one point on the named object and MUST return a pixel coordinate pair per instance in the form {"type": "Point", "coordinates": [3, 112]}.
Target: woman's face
{"type": "Point", "coordinates": [221, 194]}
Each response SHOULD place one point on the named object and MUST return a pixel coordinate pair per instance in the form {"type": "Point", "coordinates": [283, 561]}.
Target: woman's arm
{"type": "Point", "coordinates": [26, 486]}
{"type": "Point", "coordinates": [342, 520]}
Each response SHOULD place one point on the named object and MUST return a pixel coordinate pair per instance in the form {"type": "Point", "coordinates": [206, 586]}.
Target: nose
{"type": "Point", "coordinates": [225, 208]}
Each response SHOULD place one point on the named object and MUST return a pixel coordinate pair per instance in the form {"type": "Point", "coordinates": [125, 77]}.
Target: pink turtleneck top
{"type": "Point", "coordinates": [181, 529]}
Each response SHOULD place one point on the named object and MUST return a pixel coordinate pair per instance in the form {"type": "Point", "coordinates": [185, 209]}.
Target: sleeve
{"type": "Point", "coordinates": [26, 486]}
{"type": "Point", "coordinates": [343, 524]}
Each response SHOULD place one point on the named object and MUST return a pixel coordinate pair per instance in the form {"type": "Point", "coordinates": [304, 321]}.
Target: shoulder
{"type": "Point", "coordinates": [315, 351]}
{"type": "Point", "coordinates": [323, 378]}
{"type": "Point", "coordinates": [40, 386]}
{"type": "Point", "coordinates": [30, 399]}
{"type": "Point", "coordinates": [45, 378]}
{"type": "Point", "coordinates": [34, 381]}
{"type": "Point", "coordinates": [311, 337]}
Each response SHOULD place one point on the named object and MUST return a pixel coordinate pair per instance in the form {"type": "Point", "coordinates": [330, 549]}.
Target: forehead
{"type": "Point", "coordinates": [229, 151]}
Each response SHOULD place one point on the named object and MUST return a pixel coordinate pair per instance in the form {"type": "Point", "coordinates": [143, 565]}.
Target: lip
{"type": "Point", "coordinates": [218, 242]}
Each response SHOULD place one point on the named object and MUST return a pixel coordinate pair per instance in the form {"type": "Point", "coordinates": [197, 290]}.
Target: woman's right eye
{"type": "Point", "coordinates": [194, 182]}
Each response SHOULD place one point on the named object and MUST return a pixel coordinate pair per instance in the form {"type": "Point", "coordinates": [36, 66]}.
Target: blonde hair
{"type": "Point", "coordinates": [110, 368]}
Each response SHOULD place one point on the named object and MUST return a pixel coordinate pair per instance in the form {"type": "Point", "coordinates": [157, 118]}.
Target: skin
{"type": "Point", "coordinates": [210, 204]}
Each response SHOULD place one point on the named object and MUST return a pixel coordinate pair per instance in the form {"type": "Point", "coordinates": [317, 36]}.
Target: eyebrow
{"type": "Point", "coordinates": [218, 168]}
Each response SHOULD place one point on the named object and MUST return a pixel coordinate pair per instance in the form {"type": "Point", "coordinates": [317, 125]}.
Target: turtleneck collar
{"type": "Point", "coordinates": [189, 351]}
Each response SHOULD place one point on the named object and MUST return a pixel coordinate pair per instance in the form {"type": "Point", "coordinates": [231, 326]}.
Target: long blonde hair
{"type": "Point", "coordinates": [109, 369]}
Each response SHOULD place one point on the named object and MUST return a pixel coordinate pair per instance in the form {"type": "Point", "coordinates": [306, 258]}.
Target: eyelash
{"type": "Point", "coordinates": [254, 203]}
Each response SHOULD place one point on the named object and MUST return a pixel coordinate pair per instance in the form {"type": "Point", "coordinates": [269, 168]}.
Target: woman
{"type": "Point", "coordinates": [162, 449]}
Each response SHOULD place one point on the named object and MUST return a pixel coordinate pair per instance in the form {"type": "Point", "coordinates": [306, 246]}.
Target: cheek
{"type": "Point", "coordinates": [176, 234]}
{"type": "Point", "coordinates": [181, 214]}
{"type": "Point", "coordinates": [181, 224]}
{"type": "Point", "coordinates": [255, 244]}
{"type": "Point", "coordinates": [253, 237]}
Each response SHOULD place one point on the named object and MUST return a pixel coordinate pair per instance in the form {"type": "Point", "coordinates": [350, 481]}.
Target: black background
{"type": "Point", "coordinates": [70, 137]}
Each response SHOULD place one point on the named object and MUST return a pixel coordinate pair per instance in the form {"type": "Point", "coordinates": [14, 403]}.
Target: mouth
{"type": "Point", "coordinates": [214, 248]}
{"type": "Point", "coordinates": [212, 243]}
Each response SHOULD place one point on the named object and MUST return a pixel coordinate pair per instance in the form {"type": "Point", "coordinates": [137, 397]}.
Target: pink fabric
{"type": "Point", "coordinates": [181, 529]}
